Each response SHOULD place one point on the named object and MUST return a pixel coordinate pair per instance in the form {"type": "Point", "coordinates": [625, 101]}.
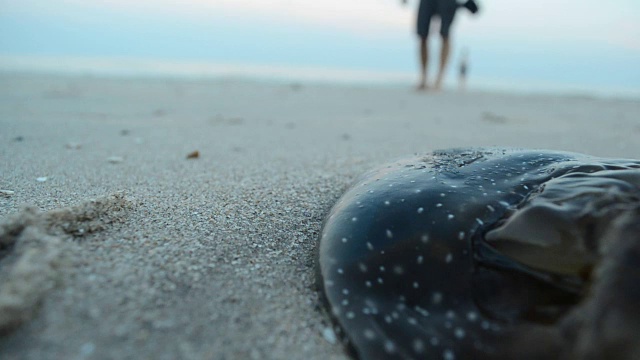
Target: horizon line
{"type": "Point", "coordinates": [202, 69]}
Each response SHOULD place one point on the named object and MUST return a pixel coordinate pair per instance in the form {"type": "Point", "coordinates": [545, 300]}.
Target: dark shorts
{"type": "Point", "coordinates": [445, 9]}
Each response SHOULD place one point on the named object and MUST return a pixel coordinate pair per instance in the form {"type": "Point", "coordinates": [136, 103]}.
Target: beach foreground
{"type": "Point", "coordinates": [132, 250]}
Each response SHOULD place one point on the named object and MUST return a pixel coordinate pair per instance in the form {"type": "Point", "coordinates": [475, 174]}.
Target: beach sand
{"type": "Point", "coordinates": [116, 246]}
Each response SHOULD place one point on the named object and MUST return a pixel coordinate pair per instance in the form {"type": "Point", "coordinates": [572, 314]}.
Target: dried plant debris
{"type": "Point", "coordinates": [7, 193]}
{"type": "Point", "coordinates": [32, 246]}
{"type": "Point", "coordinates": [193, 155]}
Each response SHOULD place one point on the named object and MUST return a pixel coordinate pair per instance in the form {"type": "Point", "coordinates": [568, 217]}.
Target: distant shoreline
{"type": "Point", "coordinates": [200, 70]}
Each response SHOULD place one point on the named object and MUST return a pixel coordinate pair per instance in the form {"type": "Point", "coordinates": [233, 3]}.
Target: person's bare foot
{"type": "Point", "coordinates": [422, 86]}
{"type": "Point", "coordinates": [438, 86]}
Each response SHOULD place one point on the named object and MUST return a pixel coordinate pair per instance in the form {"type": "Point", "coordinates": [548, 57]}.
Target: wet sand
{"type": "Point", "coordinates": [213, 257]}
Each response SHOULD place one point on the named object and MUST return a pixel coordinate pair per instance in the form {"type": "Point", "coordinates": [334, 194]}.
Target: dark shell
{"type": "Point", "coordinates": [463, 253]}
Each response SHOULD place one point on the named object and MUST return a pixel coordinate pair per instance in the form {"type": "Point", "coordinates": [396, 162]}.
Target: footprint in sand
{"type": "Point", "coordinates": [32, 244]}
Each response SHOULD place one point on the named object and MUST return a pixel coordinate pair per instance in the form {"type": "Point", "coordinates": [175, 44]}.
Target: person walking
{"type": "Point", "coordinates": [463, 70]}
{"type": "Point", "coordinates": [445, 10]}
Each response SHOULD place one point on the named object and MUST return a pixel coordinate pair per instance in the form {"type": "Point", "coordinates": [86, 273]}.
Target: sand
{"type": "Point", "coordinates": [115, 245]}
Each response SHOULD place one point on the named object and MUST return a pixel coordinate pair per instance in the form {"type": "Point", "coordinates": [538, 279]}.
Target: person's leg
{"type": "Point", "coordinates": [424, 63]}
{"type": "Point", "coordinates": [462, 80]}
{"type": "Point", "coordinates": [444, 60]}
{"type": "Point", "coordinates": [425, 12]}
{"type": "Point", "coordinates": [447, 10]}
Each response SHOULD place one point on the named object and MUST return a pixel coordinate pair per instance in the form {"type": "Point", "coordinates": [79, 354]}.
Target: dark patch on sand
{"type": "Point", "coordinates": [491, 117]}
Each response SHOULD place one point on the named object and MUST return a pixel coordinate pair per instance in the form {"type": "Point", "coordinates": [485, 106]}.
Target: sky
{"type": "Point", "coordinates": [576, 43]}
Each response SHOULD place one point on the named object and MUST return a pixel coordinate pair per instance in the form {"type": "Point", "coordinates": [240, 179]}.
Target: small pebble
{"type": "Point", "coordinates": [42, 179]}
{"type": "Point", "coordinates": [115, 159]}
{"type": "Point", "coordinates": [329, 335]}
{"type": "Point", "coordinates": [7, 193]}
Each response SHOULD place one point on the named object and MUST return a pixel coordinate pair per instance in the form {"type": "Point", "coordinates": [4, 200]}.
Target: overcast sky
{"type": "Point", "coordinates": [596, 43]}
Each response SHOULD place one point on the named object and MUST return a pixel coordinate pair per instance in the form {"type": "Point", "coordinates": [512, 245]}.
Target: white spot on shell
{"type": "Point", "coordinates": [459, 333]}
{"type": "Point", "coordinates": [421, 311]}
{"type": "Point", "coordinates": [449, 258]}
{"type": "Point", "coordinates": [354, 219]}
{"type": "Point", "coordinates": [472, 316]}
{"type": "Point", "coordinates": [418, 346]}
{"type": "Point", "coordinates": [389, 234]}
{"type": "Point", "coordinates": [389, 347]}
{"type": "Point", "coordinates": [450, 216]}
{"type": "Point", "coordinates": [369, 334]}
{"type": "Point", "coordinates": [448, 355]}
{"type": "Point", "coordinates": [420, 210]}
{"type": "Point", "coordinates": [461, 235]}
{"type": "Point", "coordinates": [436, 298]}
{"type": "Point", "coordinates": [369, 246]}
{"type": "Point", "coordinates": [420, 259]}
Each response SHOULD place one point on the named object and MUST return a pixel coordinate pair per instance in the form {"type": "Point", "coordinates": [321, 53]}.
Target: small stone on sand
{"type": "Point", "coordinates": [115, 159]}
{"type": "Point", "coordinates": [193, 155]}
{"type": "Point", "coordinates": [329, 335]}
